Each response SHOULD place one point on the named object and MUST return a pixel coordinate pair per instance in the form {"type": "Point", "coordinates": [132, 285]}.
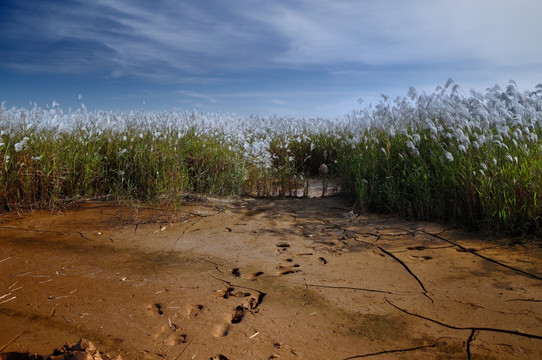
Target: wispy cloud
{"type": "Point", "coordinates": [221, 51]}
{"type": "Point", "coordinates": [197, 95]}
{"type": "Point", "coordinates": [161, 40]}
{"type": "Point", "coordinates": [276, 102]}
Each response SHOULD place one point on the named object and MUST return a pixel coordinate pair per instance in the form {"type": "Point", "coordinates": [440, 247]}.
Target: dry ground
{"type": "Point", "coordinates": [264, 279]}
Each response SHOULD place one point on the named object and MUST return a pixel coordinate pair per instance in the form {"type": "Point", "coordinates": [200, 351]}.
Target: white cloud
{"type": "Point", "coordinates": [197, 95]}
{"type": "Point", "coordinates": [393, 32]}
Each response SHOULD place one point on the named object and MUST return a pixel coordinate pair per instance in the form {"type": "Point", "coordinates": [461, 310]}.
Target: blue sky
{"type": "Point", "coordinates": [294, 57]}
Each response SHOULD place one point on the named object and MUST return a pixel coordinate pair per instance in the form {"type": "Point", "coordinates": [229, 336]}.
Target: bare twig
{"type": "Point", "coordinates": [178, 356]}
{"type": "Point", "coordinates": [19, 335]}
{"type": "Point", "coordinates": [5, 301]}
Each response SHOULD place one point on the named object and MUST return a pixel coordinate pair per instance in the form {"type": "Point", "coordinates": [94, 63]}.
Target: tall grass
{"type": "Point", "coordinates": [471, 159]}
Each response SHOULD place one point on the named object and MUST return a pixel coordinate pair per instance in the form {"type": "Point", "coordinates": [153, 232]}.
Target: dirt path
{"type": "Point", "coordinates": [264, 279]}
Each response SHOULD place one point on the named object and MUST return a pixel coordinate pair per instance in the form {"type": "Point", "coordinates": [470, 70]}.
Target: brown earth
{"type": "Point", "coordinates": [263, 279]}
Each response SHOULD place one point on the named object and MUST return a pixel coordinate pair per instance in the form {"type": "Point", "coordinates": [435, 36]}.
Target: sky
{"type": "Point", "coordinates": [286, 57]}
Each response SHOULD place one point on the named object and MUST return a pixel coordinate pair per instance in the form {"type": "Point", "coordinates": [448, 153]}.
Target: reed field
{"type": "Point", "coordinates": [472, 159]}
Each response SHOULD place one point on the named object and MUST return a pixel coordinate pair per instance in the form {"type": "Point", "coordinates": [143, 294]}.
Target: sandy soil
{"type": "Point", "coordinates": [263, 279]}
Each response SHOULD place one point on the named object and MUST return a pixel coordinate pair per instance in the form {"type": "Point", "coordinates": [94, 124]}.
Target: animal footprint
{"type": "Point", "coordinates": [288, 272]}
{"type": "Point", "coordinates": [282, 267]}
{"type": "Point", "coordinates": [290, 269]}
{"type": "Point", "coordinates": [417, 248]}
{"type": "Point", "coordinates": [174, 339]}
{"type": "Point", "coordinates": [219, 357]}
{"type": "Point", "coordinates": [155, 307]}
{"type": "Point", "coordinates": [194, 311]}
{"type": "Point", "coordinates": [235, 272]}
{"type": "Point", "coordinates": [281, 247]}
{"type": "Point", "coordinates": [238, 314]}
{"type": "Point", "coordinates": [421, 257]}
{"type": "Point", "coordinates": [255, 275]}
{"type": "Point", "coordinates": [221, 330]}
{"type": "Point", "coordinates": [228, 292]}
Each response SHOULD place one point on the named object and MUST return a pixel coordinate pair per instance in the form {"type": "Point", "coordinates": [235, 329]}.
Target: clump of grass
{"type": "Point", "coordinates": [469, 160]}
{"type": "Point", "coordinates": [474, 160]}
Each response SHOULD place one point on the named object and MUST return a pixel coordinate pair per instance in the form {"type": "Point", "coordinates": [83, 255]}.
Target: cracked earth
{"type": "Point", "coordinates": [264, 279]}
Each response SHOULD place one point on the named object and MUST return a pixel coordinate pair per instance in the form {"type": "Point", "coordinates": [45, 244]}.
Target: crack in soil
{"type": "Point", "coordinates": [187, 228]}
{"type": "Point", "coordinates": [344, 287]}
{"type": "Point", "coordinates": [469, 341]}
{"type": "Point", "coordinates": [474, 252]}
{"type": "Point", "coordinates": [473, 330]}
{"type": "Point", "coordinates": [407, 269]}
{"type": "Point", "coordinates": [391, 351]}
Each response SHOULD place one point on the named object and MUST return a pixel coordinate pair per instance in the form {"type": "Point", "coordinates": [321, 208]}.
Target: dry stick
{"type": "Point", "coordinates": [20, 334]}
{"type": "Point", "coordinates": [473, 252]}
{"type": "Point", "coordinates": [502, 331]}
{"type": "Point", "coordinates": [5, 301]}
{"type": "Point", "coordinates": [178, 356]}
{"type": "Point", "coordinates": [391, 351]}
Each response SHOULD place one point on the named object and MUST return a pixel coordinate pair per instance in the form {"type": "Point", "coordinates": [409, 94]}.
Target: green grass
{"type": "Point", "coordinates": [474, 161]}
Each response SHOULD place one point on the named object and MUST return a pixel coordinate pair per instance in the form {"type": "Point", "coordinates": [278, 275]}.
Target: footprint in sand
{"type": "Point", "coordinates": [417, 248]}
{"type": "Point", "coordinates": [421, 257]}
{"type": "Point", "coordinates": [235, 272]}
{"type": "Point", "coordinates": [229, 291]}
{"type": "Point", "coordinates": [193, 311]}
{"type": "Point", "coordinates": [175, 339]}
{"type": "Point", "coordinates": [155, 308]}
{"type": "Point", "coordinates": [251, 303]}
{"type": "Point", "coordinates": [282, 267]}
{"type": "Point", "coordinates": [255, 275]}
{"type": "Point", "coordinates": [221, 330]}
{"type": "Point", "coordinates": [288, 271]}
{"type": "Point", "coordinates": [219, 357]}
{"type": "Point", "coordinates": [237, 314]}
{"type": "Point", "coordinates": [281, 247]}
